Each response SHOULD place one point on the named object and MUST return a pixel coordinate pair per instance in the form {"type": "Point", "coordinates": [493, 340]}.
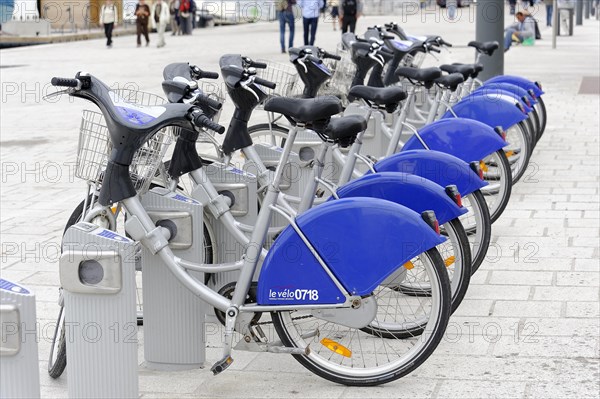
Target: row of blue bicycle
{"type": "Point", "coordinates": [366, 210]}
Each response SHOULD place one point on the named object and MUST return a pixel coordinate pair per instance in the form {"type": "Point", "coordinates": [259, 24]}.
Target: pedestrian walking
{"type": "Point", "coordinates": [142, 12]}
{"type": "Point", "coordinates": [185, 24]}
{"type": "Point", "coordinates": [549, 11]}
{"type": "Point", "coordinates": [451, 6]}
{"type": "Point", "coordinates": [160, 18]}
{"type": "Point", "coordinates": [108, 17]}
{"type": "Point", "coordinates": [350, 11]}
{"type": "Point", "coordinates": [285, 15]}
{"type": "Point", "coordinates": [174, 12]}
{"type": "Point", "coordinates": [513, 6]}
{"type": "Point", "coordinates": [311, 9]}
{"type": "Point", "coordinates": [335, 12]}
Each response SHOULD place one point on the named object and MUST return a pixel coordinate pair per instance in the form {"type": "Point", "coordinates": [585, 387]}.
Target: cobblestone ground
{"type": "Point", "coordinates": [529, 325]}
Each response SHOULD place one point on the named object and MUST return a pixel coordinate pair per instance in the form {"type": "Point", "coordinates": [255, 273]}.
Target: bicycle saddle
{"type": "Point", "coordinates": [305, 110]}
{"type": "Point", "coordinates": [466, 70]}
{"type": "Point", "coordinates": [379, 95]}
{"type": "Point", "coordinates": [451, 81]}
{"type": "Point", "coordinates": [345, 127]}
{"type": "Point", "coordinates": [424, 75]}
{"type": "Point", "coordinates": [487, 48]}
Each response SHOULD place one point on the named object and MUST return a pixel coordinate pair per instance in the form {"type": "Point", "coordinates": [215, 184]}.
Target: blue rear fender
{"type": "Point", "coordinates": [439, 167]}
{"type": "Point", "coordinates": [491, 109]}
{"type": "Point", "coordinates": [466, 139]}
{"type": "Point", "coordinates": [519, 81]}
{"type": "Point", "coordinates": [509, 87]}
{"type": "Point", "coordinates": [361, 240]}
{"type": "Point", "coordinates": [414, 192]}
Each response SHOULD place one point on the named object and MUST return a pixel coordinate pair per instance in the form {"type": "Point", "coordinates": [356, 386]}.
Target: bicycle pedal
{"type": "Point", "coordinates": [221, 365]}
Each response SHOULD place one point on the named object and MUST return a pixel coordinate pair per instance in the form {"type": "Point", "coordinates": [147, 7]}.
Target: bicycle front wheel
{"type": "Point", "coordinates": [497, 172]}
{"type": "Point", "coordinates": [352, 356]}
{"type": "Point", "coordinates": [518, 152]}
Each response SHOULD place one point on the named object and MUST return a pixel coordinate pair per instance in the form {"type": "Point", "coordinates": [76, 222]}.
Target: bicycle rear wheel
{"type": "Point", "coordinates": [519, 150]}
{"type": "Point", "coordinates": [352, 356]}
{"type": "Point", "coordinates": [478, 226]}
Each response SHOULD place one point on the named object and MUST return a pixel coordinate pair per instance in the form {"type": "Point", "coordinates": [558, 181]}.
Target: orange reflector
{"type": "Point", "coordinates": [448, 262]}
{"type": "Point", "coordinates": [409, 265]}
{"type": "Point", "coordinates": [114, 209]}
{"type": "Point", "coordinates": [509, 153]}
{"type": "Point", "coordinates": [483, 166]}
{"type": "Point", "coordinates": [335, 347]}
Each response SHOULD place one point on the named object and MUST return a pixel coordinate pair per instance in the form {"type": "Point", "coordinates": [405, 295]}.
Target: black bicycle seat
{"type": "Point", "coordinates": [305, 110]}
{"type": "Point", "coordinates": [466, 70]}
{"type": "Point", "coordinates": [426, 76]}
{"type": "Point", "coordinates": [487, 48]}
{"type": "Point", "coordinates": [451, 81]}
{"type": "Point", "coordinates": [379, 95]}
{"type": "Point", "coordinates": [345, 127]}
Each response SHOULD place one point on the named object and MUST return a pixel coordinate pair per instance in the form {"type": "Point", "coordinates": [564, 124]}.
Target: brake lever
{"type": "Point", "coordinates": [301, 62]}
{"type": "Point", "coordinates": [246, 86]}
{"type": "Point", "coordinates": [58, 93]}
{"type": "Point", "coordinates": [377, 58]}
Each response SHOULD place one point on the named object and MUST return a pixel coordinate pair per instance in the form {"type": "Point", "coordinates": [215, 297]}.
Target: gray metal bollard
{"type": "Point", "coordinates": [173, 316]}
{"type": "Point", "coordinates": [19, 376]}
{"type": "Point", "coordinates": [490, 26]}
{"type": "Point", "coordinates": [97, 273]}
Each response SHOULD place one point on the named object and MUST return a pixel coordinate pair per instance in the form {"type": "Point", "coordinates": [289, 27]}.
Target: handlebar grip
{"type": "Point", "coordinates": [66, 82]}
{"type": "Point", "coordinates": [265, 83]}
{"type": "Point", "coordinates": [202, 120]}
{"type": "Point", "coordinates": [315, 60]}
{"type": "Point", "coordinates": [203, 99]}
{"type": "Point", "coordinates": [445, 43]}
{"type": "Point", "coordinates": [259, 65]}
{"type": "Point", "coordinates": [388, 37]}
{"type": "Point", "coordinates": [332, 56]}
{"type": "Point", "coordinates": [209, 75]}
{"type": "Point", "coordinates": [434, 49]}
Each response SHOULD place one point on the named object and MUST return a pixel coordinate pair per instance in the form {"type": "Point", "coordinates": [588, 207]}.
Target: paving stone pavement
{"type": "Point", "coordinates": [529, 325]}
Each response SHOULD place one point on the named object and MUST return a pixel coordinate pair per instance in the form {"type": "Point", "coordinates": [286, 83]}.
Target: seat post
{"type": "Point", "coordinates": [350, 161]}
{"type": "Point", "coordinates": [308, 198]}
{"type": "Point", "coordinates": [285, 155]}
{"type": "Point", "coordinates": [398, 126]}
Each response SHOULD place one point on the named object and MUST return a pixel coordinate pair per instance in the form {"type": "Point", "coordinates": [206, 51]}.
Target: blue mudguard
{"type": "Point", "coordinates": [519, 81]}
{"type": "Point", "coordinates": [441, 168]}
{"type": "Point", "coordinates": [414, 192]}
{"type": "Point", "coordinates": [488, 109]}
{"type": "Point", "coordinates": [361, 240]}
{"type": "Point", "coordinates": [504, 94]}
{"type": "Point", "coordinates": [466, 139]}
{"type": "Point", "coordinates": [511, 88]}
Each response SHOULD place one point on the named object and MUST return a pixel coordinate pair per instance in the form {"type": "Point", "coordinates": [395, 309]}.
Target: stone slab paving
{"type": "Point", "coordinates": [529, 326]}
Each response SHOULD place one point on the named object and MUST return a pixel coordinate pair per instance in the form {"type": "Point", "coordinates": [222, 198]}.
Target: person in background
{"type": "Point", "coordinates": [193, 10]}
{"type": "Point", "coordinates": [451, 6]}
{"type": "Point", "coordinates": [184, 17]}
{"type": "Point", "coordinates": [311, 10]}
{"type": "Point", "coordinates": [513, 6]}
{"type": "Point", "coordinates": [350, 11]}
{"type": "Point", "coordinates": [285, 15]}
{"type": "Point", "coordinates": [142, 12]}
{"type": "Point", "coordinates": [160, 17]}
{"type": "Point", "coordinates": [109, 17]}
{"type": "Point", "coordinates": [549, 9]}
{"type": "Point", "coordinates": [174, 12]}
{"type": "Point", "coordinates": [335, 12]}
{"type": "Point", "coordinates": [521, 30]}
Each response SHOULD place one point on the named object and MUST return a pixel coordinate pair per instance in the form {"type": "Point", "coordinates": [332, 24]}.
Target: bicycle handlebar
{"type": "Point", "coordinates": [66, 82]}
{"type": "Point", "coordinates": [314, 59]}
{"type": "Point", "coordinates": [198, 73]}
{"type": "Point", "coordinates": [265, 83]}
{"type": "Point", "coordinates": [444, 43]}
{"type": "Point", "coordinates": [203, 99]}
{"type": "Point", "coordinates": [201, 120]}
{"type": "Point", "coordinates": [331, 56]}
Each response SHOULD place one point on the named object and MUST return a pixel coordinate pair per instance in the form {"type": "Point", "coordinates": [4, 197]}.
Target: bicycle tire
{"type": "Point", "coordinates": [482, 232]}
{"type": "Point", "coordinates": [264, 130]}
{"type": "Point", "coordinates": [498, 205]}
{"type": "Point", "coordinates": [541, 106]}
{"type": "Point", "coordinates": [524, 142]}
{"type": "Point", "coordinates": [57, 365]}
{"type": "Point", "coordinates": [381, 373]}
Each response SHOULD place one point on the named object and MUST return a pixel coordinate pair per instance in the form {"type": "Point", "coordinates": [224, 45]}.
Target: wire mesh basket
{"type": "Point", "coordinates": [284, 75]}
{"type": "Point", "coordinates": [94, 145]}
{"type": "Point", "coordinates": [344, 71]}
